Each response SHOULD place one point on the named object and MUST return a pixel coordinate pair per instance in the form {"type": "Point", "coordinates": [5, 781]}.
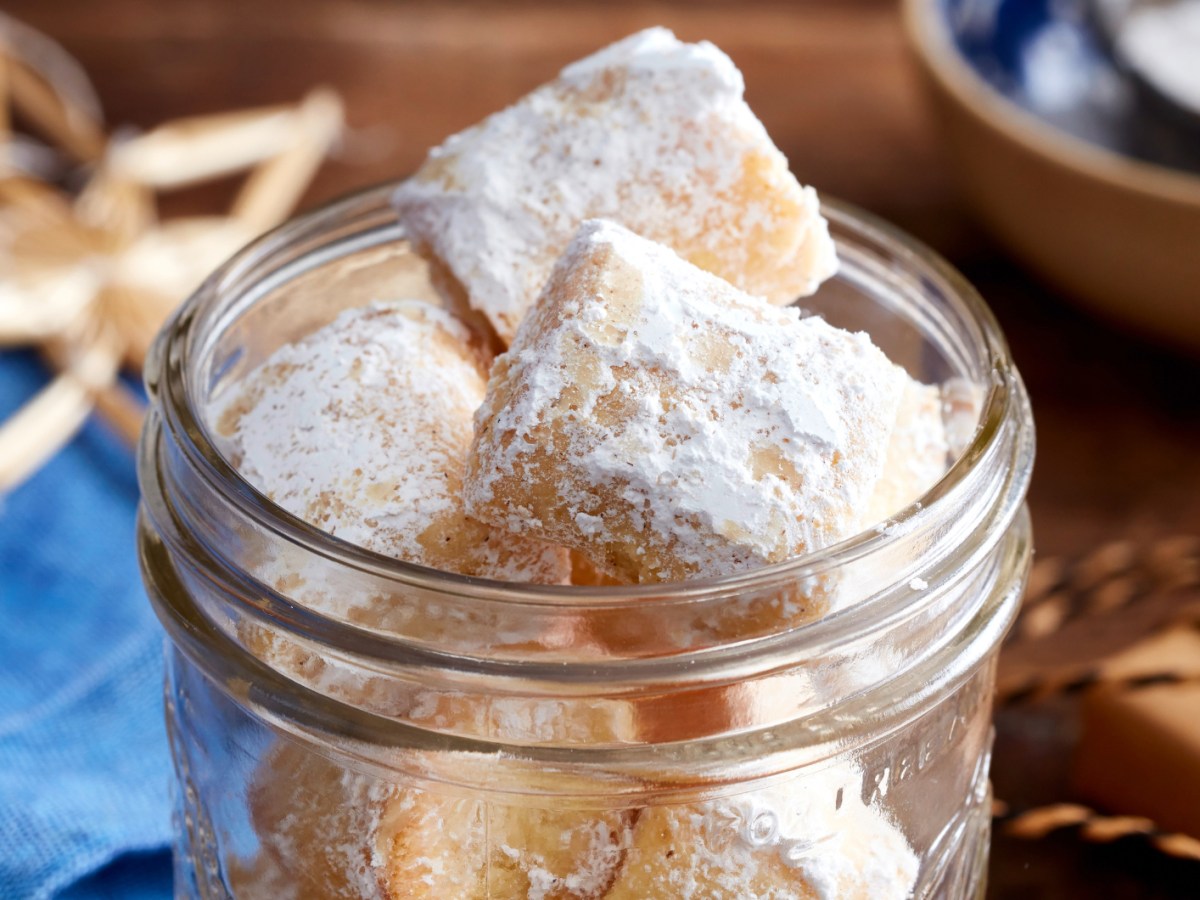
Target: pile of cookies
{"type": "Point", "coordinates": [630, 236]}
{"type": "Point", "coordinates": [616, 390]}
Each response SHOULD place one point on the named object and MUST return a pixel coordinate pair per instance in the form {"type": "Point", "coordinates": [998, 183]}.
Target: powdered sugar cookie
{"type": "Point", "coordinates": [810, 838]}
{"type": "Point", "coordinates": [670, 426]}
{"type": "Point", "coordinates": [917, 454]}
{"type": "Point", "coordinates": [651, 132]}
{"type": "Point", "coordinates": [329, 832]}
{"type": "Point", "coordinates": [362, 429]}
{"type": "Point", "coordinates": [434, 847]}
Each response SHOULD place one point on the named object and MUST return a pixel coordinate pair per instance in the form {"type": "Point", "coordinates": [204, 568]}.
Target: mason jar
{"type": "Point", "coordinates": [347, 725]}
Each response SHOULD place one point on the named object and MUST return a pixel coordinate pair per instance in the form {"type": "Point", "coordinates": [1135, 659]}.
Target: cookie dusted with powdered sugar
{"type": "Point", "coordinates": [918, 452]}
{"type": "Point", "coordinates": [362, 430]}
{"type": "Point", "coordinates": [313, 820]}
{"type": "Point", "coordinates": [650, 132]}
{"type": "Point", "coordinates": [811, 838]}
{"type": "Point", "coordinates": [336, 834]}
{"type": "Point", "coordinates": [433, 847]}
{"type": "Point", "coordinates": [670, 426]}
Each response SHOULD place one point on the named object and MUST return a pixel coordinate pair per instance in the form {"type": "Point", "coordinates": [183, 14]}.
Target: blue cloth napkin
{"type": "Point", "coordinates": [84, 765]}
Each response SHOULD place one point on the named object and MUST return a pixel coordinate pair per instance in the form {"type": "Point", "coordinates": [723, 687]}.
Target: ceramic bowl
{"type": "Point", "coordinates": [1059, 162]}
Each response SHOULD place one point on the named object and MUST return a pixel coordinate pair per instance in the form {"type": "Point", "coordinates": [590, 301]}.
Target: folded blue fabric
{"type": "Point", "coordinates": [84, 765]}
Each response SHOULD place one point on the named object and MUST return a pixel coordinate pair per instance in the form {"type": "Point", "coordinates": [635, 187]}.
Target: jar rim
{"type": "Point", "coordinates": [369, 740]}
{"type": "Point", "coordinates": [179, 343]}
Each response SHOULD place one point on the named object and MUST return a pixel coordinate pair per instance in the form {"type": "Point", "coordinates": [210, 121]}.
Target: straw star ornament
{"type": "Point", "coordinates": [88, 276]}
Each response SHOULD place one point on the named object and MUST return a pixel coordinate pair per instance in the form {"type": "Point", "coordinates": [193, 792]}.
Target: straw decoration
{"type": "Point", "coordinates": [87, 277]}
{"type": "Point", "coordinates": [1113, 578]}
{"type": "Point", "coordinates": [1042, 689]}
{"type": "Point", "coordinates": [1109, 584]}
{"type": "Point", "coordinates": [1089, 825]}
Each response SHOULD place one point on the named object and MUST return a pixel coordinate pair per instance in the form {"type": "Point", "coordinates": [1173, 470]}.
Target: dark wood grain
{"type": "Point", "coordinates": [1118, 418]}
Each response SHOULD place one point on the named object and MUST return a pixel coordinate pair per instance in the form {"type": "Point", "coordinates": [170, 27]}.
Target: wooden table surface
{"type": "Point", "coordinates": [1118, 418]}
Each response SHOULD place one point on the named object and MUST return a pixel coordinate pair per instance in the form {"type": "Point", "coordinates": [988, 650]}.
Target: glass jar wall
{"type": "Point", "coordinates": [345, 725]}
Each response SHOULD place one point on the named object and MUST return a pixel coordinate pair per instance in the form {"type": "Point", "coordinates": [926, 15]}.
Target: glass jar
{"type": "Point", "coordinates": [346, 725]}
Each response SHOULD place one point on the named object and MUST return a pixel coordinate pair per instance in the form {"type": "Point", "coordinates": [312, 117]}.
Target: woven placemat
{"type": "Point", "coordinates": [1077, 615]}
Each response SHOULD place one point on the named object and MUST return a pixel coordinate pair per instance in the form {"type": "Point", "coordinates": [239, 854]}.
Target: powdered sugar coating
{"type": "Point", "coordinates": [362, 429]}
{"type": "Point", "coordinates": [330, 832]}
{"type": "Point", "coordinates": [918, 452]}
{"type": "Point", "coordinates": [437, 847]}
{"type": "Point", "coordinates": [650, 132]}
{"type": "Point", "coordinates": [810, 838]}
{"type": "Point", "coordinates": [313, 820]}
{"type": "Point", "coordinates": [670, 426]}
